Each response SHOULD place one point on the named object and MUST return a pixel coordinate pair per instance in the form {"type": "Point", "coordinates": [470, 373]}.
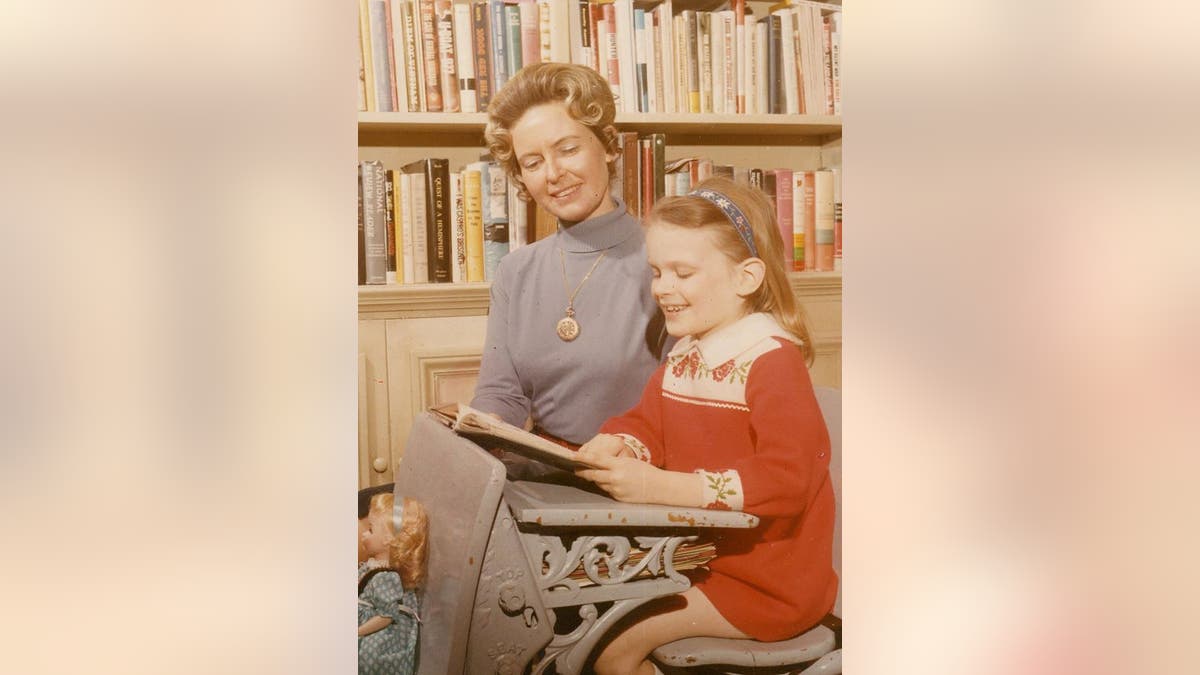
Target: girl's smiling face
{"type": "Point", "coordinates": [695, 284]}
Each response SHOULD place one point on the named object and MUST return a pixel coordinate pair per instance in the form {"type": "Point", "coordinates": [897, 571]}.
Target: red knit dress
{"type": "Point", "coordinates": [738, 407]}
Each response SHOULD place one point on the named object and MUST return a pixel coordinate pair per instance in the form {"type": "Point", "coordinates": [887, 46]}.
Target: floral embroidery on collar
{"type": "Point", "coordinates": [690, 365]}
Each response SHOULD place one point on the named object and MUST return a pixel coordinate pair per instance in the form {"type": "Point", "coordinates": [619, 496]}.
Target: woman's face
{"type": "Point", "coordinates": [563, 165]}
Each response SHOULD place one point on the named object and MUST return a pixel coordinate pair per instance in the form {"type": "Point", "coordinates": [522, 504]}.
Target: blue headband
{"type": "Point", "coordinates": [740, 222]}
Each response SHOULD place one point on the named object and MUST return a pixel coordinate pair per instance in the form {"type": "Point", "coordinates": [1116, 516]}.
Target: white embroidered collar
{"type": "Point", "coordinates": [725, 343]}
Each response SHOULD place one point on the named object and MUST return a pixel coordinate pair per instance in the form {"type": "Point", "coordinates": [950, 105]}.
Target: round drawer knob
{"type": "Point", "coordinates": [380, 464]}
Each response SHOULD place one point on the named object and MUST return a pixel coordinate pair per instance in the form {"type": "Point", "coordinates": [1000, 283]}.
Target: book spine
{"type": "Point", "coordinates": [483, 55]}
{"type": "Point", "coordinates": [641, 76]}
{"type": "Point", "coordinates": [518, 224]}
{"type": "Point", "coordinates": [612, 54]}
{"type": "Point", "coordinates": [465, 57]}
{"type": "Point", "coordinates": [389, 225]}
{"type": "Point", "coordinates": [730, 64]}
{"type": "Point", "coordinates": [473, 221]}
{"type": "Point", "coordinates": [787, 64]}
{"type": "Point", "coordinates": [802, 62]}
{"type": "Point", "coordinates": [783, 214]}
{"type": "Point", "coordinates": [412, 62]}
{"type": "Point", "coordinates": [626, 54]}
{"type": "Point", "coordinates": [716, 26]}
{"type": "Point", "coordinates": [362, 244]}
{"type": "Point", "coordinates": [364, 30]}
{"type": "Point", "coordinates": [497, 42]}
{"type": "Point", "coordinates": [406, 265]}
{"type": "Point", "coordinates": [756, 178]}
{"type": "Point", "coordinates": [659, 143]}
{"type": "Point", "coordinates": [825, 219]}
{"type": "Point", "coordinates": [420, 220]}
{"type": "Point", "coordinates": [437, 210]}
{"type": "Point", "coordinates": [379, 55]}
{"type": "Point", "coordinates": [598, 39]}
{"type": "Point", "coordinates": [798, 221]}
{"type": "Point", "coordinates": [362, 72]}
{"type": "Point", "coordinates": [373, 222]}
{"type": "Point", "coordinates": [458, 248]}
{"type": "Point", "coordinates": [775, 86]}
{"type": "Point", "coordinates": [629, 173]}
{"type": "Point", "coordinates": [512, 38]}
{"type": "Point", "coordinates": [704, 40]}
{"type": "Point", "coordinates": [810, 221]}
{"type": "Point", "coordinates": [392, 25]}
{"type": "Point", "coordinates": [398, 51]}
{"type": "Point", "coordinates": [837, 219]}
{"type": "Point", "coordinates": [827, 62]}
{"type": "Point", "coordinates": [556, 30]}
{"type": "Point", "coordinates": [530, 22]}
{"type": "Point", "coordinates": [692, 59]}
{"type": "Point", "coordinates": [836, 19]}
{"type": "Point", "coordinates": [762, 80]}
{"type": "Point", "coordinates": [430, 56]}
{"type": "Point", "coordinates": [581, 40]}
{"type": "Point", "coordinates": [545, 31]}
{"type": "Point", "coordinates": [443, 23]}
{"type": "Point", "coordinates": [655, 52]}
{"type": "Point", "coordinates": [495, 219]}
{"type": "Point", "coordinates": [645, 186]}
{"type": "Point", "coordinates": [670, 89]}
{"type": "Point", "coordinates": [743, 56]}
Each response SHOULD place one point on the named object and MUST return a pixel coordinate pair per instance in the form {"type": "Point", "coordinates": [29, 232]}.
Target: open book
{"type": "Point", "coordinates": [490, 432]}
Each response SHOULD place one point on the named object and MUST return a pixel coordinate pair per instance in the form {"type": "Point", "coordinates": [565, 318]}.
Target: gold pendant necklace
{"type": "Point", "coordinates": [567, 327]}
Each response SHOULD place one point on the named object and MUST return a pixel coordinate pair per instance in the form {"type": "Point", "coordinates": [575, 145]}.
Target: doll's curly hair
{"type": "Point", "coordinates": [409, 546]}
{"type": "Point", "coordinates": [588, 98]}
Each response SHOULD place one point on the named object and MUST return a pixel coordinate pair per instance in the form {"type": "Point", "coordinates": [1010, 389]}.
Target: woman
{"type": "Point", "coordinates": [572, 335]}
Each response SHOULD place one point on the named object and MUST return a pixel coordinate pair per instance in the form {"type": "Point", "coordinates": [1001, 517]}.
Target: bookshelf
{"type": "Point", "coordinates": [420, 344]}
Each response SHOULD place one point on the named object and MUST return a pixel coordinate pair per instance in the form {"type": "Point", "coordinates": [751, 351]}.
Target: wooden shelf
{"type": "Point", "coordinates": [400, 301]}
{"type": "Point", "coordinates": [466, 129]}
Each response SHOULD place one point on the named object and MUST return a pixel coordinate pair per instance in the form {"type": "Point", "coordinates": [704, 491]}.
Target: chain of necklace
{"type": "Point", "coordinates": [567, 327]}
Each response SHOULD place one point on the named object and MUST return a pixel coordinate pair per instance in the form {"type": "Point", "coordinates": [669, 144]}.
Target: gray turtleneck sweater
{"type": "Point", "coordinates": [569, 388]}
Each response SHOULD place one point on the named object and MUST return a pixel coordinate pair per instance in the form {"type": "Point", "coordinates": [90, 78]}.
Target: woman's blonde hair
{"type": "Point", "coordinates": [407, 549]}
{"type": "Point", "coordinates": [586, 94]}
{"type": "Point", "coordinates": [775, 294]}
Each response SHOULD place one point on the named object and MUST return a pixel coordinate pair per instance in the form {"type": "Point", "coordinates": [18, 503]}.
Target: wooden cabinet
{"type": "Point", "coordinates": [420, 345]}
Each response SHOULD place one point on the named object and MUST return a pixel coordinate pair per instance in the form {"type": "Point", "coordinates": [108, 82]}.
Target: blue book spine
{"type": "Point", "coordinates": [499, 52]}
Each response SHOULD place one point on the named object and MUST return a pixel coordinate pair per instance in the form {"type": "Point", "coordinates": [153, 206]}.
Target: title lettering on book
{"type": "Point", "coordinates": [439, 197]}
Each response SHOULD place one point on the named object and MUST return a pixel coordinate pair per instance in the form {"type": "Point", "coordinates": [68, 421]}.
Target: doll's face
{"type": "Point", "coordinates": [376, 536]}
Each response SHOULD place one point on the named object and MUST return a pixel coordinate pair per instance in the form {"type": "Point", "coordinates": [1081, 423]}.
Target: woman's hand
{"type": "Point", "coordinates": [631, 480]}
{"type": "Point", "coordinates": [606, 445]}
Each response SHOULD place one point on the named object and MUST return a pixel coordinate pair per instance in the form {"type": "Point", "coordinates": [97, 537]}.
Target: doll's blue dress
{"type": "Point", "coordinates": [391, 650]}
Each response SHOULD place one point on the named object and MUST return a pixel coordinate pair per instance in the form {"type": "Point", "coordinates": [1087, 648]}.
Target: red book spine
{"type": "Point", "coordinates": [783, 214]}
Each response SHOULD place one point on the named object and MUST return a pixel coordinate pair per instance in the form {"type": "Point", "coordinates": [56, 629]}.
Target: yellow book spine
{"type": "Point", "coordinates": [364, 27]}
{"type": "Point", "coordinates": [397, 233]}
{"type": "Point", "coordinates": [473, 223]}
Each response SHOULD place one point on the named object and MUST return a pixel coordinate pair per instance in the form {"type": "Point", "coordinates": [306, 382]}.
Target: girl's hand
{"type": "Point", "coordinates": [606, 445]}
{"type": "Point", "coordinates": [630, 480]}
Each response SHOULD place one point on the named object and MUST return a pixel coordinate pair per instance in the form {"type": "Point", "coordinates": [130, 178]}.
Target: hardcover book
{"type": "Point", "coordinates": [489, 432]}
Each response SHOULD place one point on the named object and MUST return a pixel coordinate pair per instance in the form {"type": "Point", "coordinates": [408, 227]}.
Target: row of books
{"type": "Point", "coordinates": [423, 223]}
{"type": "Point", "coordinates": [445, 56]}
{"type": "Point", "coordinates": [808, 203]}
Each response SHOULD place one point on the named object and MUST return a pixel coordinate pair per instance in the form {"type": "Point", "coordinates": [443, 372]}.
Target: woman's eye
{"type": "Point", "coordinates": [569, 150]}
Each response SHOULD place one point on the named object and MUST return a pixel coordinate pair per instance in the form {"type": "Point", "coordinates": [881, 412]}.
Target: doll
{"type": "Point", "coordinates": [392, 545]}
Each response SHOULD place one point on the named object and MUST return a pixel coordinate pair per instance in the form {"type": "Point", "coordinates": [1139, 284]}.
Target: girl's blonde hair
{"type": "Point", "coordinates": [407, 550]}
{"type": "Point", "coordinates": [775, 294]}
{"type": "Point", "coordinates": [586, 94]}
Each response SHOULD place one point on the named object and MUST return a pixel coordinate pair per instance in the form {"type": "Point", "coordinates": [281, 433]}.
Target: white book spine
{"type": "Point", "coordinates": [760, 70]}
{"type": "Point", "coordinates": [420, 238]}
{"type": "Point", "coordinates": [405, 225]}
{"type": "Point", "coordinates": [465, 57]}
{"type": "Point", "coordinates": [626, 59]}
{"type": "Point", "coordinates": [666, 20]}
{"type": "Point", "coordinates": [730, 64]}
{"type": "Point", "coordinates": [518, 230]}
{"type": "Point", "coordinates": [788, 63]}
{"type": "Point", "coordinates": [716, 26]}
{"type": "Point", "coordinates": [458, 235]}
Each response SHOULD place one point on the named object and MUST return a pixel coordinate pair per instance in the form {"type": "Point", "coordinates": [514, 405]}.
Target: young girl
{"type": "Point", "coordinates": [393, 540]}
{"type": "Point", "coordinates": [730, 421]}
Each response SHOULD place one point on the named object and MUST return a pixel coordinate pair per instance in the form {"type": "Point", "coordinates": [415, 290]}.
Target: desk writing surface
{"type": "Point", "coordinates": [549, 504]}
